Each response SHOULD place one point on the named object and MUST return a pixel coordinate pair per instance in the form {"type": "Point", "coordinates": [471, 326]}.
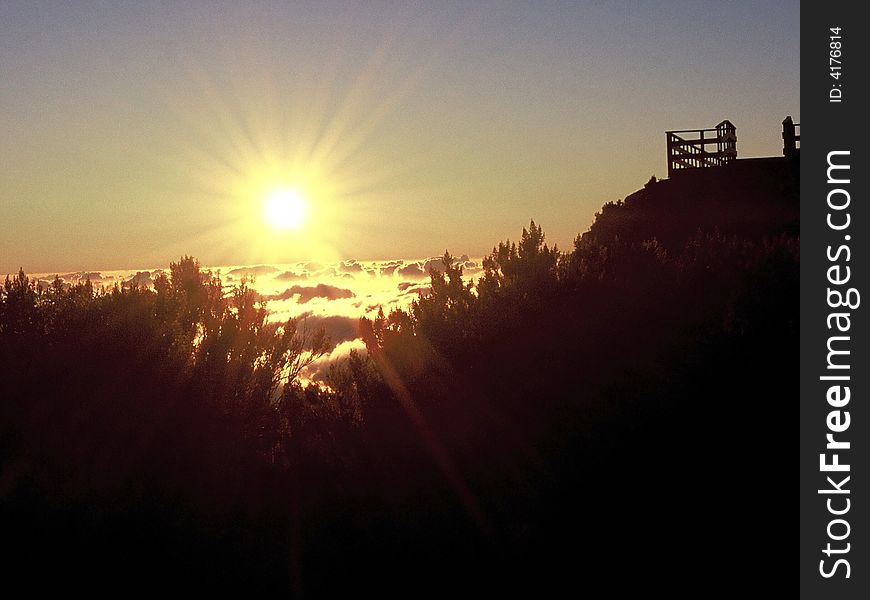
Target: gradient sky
{"type": "Point", "coordinates": [134, 132]}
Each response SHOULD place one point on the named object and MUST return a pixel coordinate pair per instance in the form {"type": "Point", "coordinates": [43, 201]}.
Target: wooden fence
{"type": "Point", "coordinates": [688, 149]}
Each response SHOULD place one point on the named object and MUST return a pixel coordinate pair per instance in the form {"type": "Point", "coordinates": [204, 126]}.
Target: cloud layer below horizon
{"type": "Point", "coordinates": [332, 295]}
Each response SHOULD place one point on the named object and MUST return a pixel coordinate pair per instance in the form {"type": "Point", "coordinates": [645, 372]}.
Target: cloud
{"type": "Point", "coordinates": [410, 287]}
{"type": "Point", "coordinates": [45, 284]}
{"type": "Point", "coordinates": [411, 270]}
{"type": "Point", "coordinates": [291, 275]}
{"type": "Point", "coordinates": [253, 271]}
{"type": "Point", "coordinates": [140, 279]}
{"type": "Point", "coordinates": [339, 329]}
{"type": "Point", "coordinates": [350, 266]}
{"type": "Point", "coordinates": [421, 269]}
{"type": "Point", "coordinates": [306, 293]}
{"type": "Point", "coordinates": [316, 268]}
{"type": "Point", "coordinates": [82, 275]}
{"type": "Point", "coordinates": [319, 368]}
{"type": "Point", "coordinates": [434, 263]}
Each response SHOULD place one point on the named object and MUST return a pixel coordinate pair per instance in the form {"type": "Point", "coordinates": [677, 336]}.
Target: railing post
{"type": "Point", "coordinates": [789, 146]}
{"type": "Point", "coordinates": [704, 160]}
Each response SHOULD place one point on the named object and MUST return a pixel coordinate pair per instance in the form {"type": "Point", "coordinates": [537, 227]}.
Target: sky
{"type": "Point", "coordinates": [132, 133]}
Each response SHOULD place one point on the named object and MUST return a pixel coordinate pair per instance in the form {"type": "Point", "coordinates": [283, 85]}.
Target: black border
{"type": "Point", "coordinates": [831, 126]}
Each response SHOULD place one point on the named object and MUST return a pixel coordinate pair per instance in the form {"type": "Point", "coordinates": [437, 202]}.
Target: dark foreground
{"type": "Point", "coordinates": [617, 414]}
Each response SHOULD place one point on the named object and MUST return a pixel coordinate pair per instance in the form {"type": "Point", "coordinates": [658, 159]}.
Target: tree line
{"type": "Point", "coordinates": [566, 396]}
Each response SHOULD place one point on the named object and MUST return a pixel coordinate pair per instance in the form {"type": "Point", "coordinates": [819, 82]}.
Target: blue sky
{"type": "Point", "coordinates": [135, 132]}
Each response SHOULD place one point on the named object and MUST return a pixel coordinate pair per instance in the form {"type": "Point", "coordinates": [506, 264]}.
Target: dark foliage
{"type": "Point", "coordinates": [608, 414]}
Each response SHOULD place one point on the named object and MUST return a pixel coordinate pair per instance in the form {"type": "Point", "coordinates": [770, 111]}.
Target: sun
{"type": "Point", "coordinates": [285, 209]}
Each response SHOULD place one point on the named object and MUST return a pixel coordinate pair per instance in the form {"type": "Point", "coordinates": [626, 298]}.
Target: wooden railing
{"type": "Point", "coordinates": [688, 149]}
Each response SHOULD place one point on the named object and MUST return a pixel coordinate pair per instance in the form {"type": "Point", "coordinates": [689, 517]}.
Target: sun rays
{"type": "Point", "coordinates": [291, 169]}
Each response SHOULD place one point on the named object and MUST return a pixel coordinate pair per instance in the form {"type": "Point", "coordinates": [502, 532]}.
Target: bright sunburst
{"type": "Point", "coordinates": [285, 209]}
{"type": "Point", "coordinates": [299, 179]}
